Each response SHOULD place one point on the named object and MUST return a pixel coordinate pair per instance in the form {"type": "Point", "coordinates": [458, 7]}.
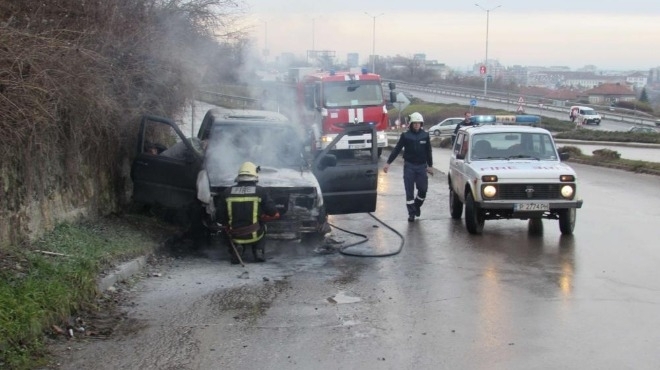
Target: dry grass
{"type": "Point", "coordinates": [74, 80]}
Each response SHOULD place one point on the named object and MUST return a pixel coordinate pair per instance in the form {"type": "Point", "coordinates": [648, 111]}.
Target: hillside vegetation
{"type": "Point", "coordinates": [74, 79]}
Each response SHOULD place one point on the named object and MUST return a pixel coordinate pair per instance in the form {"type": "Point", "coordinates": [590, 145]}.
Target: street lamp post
{"type": "Point", "coordinates": [373, 42]}
{"type": "Point", "coordinates": [486, 60]}
{"type": "Point", "coordinates": [266, 52]}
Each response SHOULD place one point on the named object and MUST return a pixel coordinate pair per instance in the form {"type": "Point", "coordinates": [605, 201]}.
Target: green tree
{"type": "Point", "coordinates": [643, 97]}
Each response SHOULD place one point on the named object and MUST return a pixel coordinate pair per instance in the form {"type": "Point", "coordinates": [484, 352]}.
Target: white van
{"type": "Point", "coordinates": [584, 115]}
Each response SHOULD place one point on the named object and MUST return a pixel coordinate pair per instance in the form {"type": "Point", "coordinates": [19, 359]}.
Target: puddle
{"type": "Point", "coordinates": [342, 298]}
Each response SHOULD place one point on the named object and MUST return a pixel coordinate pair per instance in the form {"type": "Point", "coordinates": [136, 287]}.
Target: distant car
{"type": "Point", "coordinates": [446, 127]}
{"type": "Point", "coordinates": [584, 115]}
{"type": "Point", "coordinates": [643, 130]}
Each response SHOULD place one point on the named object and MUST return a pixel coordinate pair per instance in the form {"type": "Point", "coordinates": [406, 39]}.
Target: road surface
{"type": "Point", "coordinates": [511, 298]}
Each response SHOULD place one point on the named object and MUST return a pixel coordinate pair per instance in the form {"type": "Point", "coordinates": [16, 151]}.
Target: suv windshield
{"type": "Point", "coordinates": [352, 93]}
{"type": "Point", "coordinates": [265, 145]}
{"type": "Point", "coordinates": [512, 145]}
{"type": "Point", "coordinates": [589, 112]}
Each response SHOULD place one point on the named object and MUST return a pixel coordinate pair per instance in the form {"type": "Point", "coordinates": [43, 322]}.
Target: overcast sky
{"type": "Point", "coordinates": [617, 35]}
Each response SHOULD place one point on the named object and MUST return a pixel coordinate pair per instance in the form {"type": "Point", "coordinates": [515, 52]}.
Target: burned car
{"type": "Point", "coordinates": [305, 188]}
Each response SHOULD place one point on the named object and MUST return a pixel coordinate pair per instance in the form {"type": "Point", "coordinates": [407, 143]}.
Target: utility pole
{"type": "Point", "coordinates": [373, 42]}
{"type": "Point", "coordinates": [486, 59]}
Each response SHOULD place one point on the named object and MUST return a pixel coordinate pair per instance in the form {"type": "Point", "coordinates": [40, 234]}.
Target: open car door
{"type": "Point", "coordinates": [348, 178]}
{"type": "Point", "coordinates": [164, 171]}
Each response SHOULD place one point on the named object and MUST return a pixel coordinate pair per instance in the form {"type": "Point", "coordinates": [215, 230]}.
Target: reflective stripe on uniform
{"type": "Point", "coordinates": [255, 200]}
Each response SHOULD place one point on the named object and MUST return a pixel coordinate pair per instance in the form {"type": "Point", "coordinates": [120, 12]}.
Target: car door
{"type": "Point", "coordinates": [166, 176]}
{"type": "Point", "coordinates": [449, 126]}
{"type": "Point", "coordinates": [348, 178]}
{"type": "Point", "coordinates": [457, 164]}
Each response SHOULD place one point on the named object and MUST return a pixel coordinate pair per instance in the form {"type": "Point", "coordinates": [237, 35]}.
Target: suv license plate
{"type": "Point", "coordinates": [356, 146]}
{"type": "Point", "coordinates": [531, 207]}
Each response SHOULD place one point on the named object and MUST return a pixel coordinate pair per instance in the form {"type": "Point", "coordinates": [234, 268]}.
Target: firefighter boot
{"type": "Point", "coordinates": [259, 253]}
{"type": "Point", "coordinates": [411, 212]}
{"type": "Point", "coordinates": [418, 206]}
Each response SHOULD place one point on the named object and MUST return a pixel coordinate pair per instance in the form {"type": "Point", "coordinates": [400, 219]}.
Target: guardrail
{"type": "Point", "coordinates": [512, 99]}
{"type": "Point", "coordinates": [226, 100]}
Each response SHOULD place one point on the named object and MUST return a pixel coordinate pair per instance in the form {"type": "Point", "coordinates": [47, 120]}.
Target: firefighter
{"type": "Point", "coordinates": [242, 209]}
{"type": "Point", "coordinates": [418, 163]}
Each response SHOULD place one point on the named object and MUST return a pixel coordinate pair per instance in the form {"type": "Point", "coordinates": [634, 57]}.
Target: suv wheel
{"type": "Point", "coordinates": [567, 220]}
{"type": "Point", "coordinates": [455, 204]}
{"type": "Point", "coordinates": [474, 219]}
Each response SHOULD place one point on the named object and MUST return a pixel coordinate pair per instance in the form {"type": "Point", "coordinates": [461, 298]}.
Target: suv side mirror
{"type": "Point", "coordinates": [564, 156]}
{"type": "Point", "coordinates": [328, 160]}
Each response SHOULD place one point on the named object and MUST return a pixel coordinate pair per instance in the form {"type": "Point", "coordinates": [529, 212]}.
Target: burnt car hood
{"type": "Point", "coordinates": [269, 177]}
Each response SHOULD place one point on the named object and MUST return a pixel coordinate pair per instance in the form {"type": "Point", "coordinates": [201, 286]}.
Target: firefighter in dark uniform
{"type": "Point", "coordinates": [418, 163]}
{"type": "Point", "coordinates": [242, 209]}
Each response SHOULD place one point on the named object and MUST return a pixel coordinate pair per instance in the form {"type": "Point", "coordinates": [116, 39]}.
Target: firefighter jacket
{"type": "Point", "coordinates": [416, 148]}
{"type": "Point", "coordinates": [240, 208]}
{"type": "Point", "coordinates": [463, 123]}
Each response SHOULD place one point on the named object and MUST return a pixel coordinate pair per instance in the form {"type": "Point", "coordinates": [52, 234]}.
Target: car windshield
{"type": "Point", "coordinates": [265, 145]}
{"type": "Point", "coordinates": [352, 93]}
{"type": "Point", "coordinates": [589, 112]}
{"type": "Point", "coordinates": [513, 145]}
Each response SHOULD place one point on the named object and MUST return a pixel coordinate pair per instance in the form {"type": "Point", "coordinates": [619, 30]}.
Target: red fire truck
{"type": "Point", "coordinates": [327, 102]}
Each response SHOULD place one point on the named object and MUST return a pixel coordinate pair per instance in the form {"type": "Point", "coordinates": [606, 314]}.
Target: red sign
{"type": "Point", "coordinates": [482, 70]}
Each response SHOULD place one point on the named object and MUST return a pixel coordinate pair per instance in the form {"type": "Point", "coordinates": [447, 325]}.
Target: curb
{"type": "Point", "coordinates": [121, 273]}
{"type": "Point", "coordinates": [608, 143]}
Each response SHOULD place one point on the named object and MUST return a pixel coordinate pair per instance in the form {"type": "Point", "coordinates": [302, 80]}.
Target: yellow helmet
{"type": "Point", "coordinates": [248, 172]}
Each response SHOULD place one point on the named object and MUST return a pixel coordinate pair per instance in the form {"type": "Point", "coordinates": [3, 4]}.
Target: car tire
{"type": "Point", "coordinates": [535, 226]}
{"type": "Point", "coordinates": [474, 219]}
{"type": "Point", "coordinates": [567, 220]}
{"type": "Point", "coordinates": [455, 204]}
{"type": "Point", "coordinates": [436, 132]}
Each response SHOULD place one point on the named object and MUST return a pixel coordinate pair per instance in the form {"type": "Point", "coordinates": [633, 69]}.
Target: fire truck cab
{"type": "Point", "coordinates": [330, 101]}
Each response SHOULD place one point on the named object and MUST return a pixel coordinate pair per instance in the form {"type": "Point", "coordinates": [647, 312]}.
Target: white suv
{"type": "Point", "coordinates": [510, 172]}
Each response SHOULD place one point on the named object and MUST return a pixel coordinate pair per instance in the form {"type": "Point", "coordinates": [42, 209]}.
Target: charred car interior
{"type": "Point", "coordinates": [185, 174]}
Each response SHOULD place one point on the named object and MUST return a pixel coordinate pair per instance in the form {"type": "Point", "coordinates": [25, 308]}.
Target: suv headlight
{"type": "Point", "coordinates": [567, 191]}
{"type": "Point", "coordinates": [489, 191]}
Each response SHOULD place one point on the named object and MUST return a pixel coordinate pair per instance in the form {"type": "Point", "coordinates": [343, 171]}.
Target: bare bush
{"type": "Point", "coordinates": [75, 78]}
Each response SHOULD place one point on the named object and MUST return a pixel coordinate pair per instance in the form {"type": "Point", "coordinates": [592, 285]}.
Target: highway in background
{"type": "Point", "coordinates": [611, 121]}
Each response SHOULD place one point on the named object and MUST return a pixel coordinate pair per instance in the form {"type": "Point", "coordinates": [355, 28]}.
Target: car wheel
{"type": "Point", "coordinates": [436, 132]}
{"type": "Point", "coordinates": [567, 220]}
{"type": "Point", "coordinates": [474, 219]}
{"type": "Point", "coordinates": [455, 204]}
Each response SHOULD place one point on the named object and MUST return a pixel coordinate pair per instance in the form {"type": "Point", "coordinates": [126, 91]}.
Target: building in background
{"type": "Point", "coordinates": [352, 60]}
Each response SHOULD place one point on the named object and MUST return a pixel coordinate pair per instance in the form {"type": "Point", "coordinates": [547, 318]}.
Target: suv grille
{"type": "Point", "coordinates": [528, 191]}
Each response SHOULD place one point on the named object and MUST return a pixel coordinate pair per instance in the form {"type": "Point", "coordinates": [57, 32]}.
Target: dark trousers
{"type": "Point", "coordinates": [414, 175]}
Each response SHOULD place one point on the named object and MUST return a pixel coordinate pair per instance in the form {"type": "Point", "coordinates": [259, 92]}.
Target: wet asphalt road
{"type": "Point", "coordinates": [507, 299]}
